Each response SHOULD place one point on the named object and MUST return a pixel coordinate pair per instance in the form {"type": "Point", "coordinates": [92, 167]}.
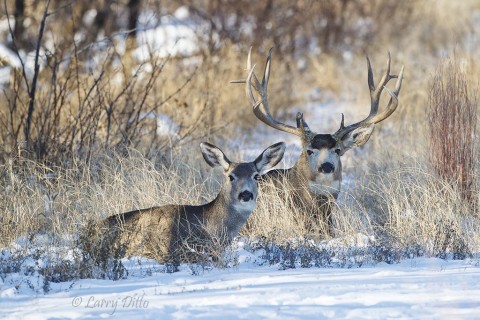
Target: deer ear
{"type": "Point", "coordinates": [270, 157]}
{"type": "Point", "coordinates": [214, 156]}
{"type": "Point", "coordinates": [357, 137]}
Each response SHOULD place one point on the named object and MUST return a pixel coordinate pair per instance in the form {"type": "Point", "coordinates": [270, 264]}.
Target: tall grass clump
{"type": "Point", "coordinates": [280, 216]}
{"type": "Point", "coordinates": [411, 208]}
{"type": "Point", "coordinates": [276, 217]}
{"type": "Point", "coordinates": [452, 125]}
{"type": "Point", "coordinates": [41, 199]}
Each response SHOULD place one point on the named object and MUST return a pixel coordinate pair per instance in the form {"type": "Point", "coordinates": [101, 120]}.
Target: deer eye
{"type": "Point", "coordinates": [231, 177]}
{"type": "Point", "coordinates": [309, 152]}
{"type": "Point", "coordinates": [337, 151]}
{"type": "Point", "coordinates": [256, 176]}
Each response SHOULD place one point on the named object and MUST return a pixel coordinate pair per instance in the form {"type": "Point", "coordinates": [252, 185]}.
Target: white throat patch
{"type": "Point", "coordinates": [324, 184]}
{"type": "Point", "coordinates": [244, 207]}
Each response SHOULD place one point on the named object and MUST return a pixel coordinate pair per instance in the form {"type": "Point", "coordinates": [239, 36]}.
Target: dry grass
{"type": "Point", "coordinates": [394, 192]}
{"type": "Point", "coordinates": [413, 207]}
{"type": "Point", "coordinates": [387, 202]}
{"type": "Point", "coordinates": [276, 216]}
{"type": "Point", "coordinates": [37, 199]}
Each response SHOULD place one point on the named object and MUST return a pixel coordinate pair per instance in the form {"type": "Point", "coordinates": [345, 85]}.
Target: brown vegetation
{"type": "Point", "coordinates": [85, 144]}
{"type": "Point", "coordinates": [452, 128]}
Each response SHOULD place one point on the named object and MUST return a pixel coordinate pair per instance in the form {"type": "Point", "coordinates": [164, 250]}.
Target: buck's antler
{"type": "Point", "coordinates": [260, 108]}
{"type": "Point", "coordinates": [375, 93]}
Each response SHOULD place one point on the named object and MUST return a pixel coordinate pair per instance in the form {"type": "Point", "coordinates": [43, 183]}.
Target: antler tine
{"type": "Point", "coordinates": [393, 103]}
{"type": "Point", "coordinates": [261, 108]}
{"type": "Point", "coordinates": [248, 88]}
{"type": "Point", "coordinates": [371, 83]}
{"type": "Point", "coordinates": [302, 124]}
{"type": "Point", "coordinates": [266, 72]}
{"type": "Point", "coordinates": [249, 59]}
{"type": "Point", "coordinates": [398, 85]}
{"type": "Point", "coordinates": [249, 68]}
{"type": "Point", "coordinates": [375, 93]}
{"type": "Point", "coordinates": [256, 83]}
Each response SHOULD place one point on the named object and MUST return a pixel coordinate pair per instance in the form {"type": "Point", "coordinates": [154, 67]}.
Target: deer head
{"type": "Point", "coordinates": [240, 188]}
{"type": "Point", "coordinates": [320, 160]}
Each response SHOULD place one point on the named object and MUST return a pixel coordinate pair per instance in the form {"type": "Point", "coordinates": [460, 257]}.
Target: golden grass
{"type": "Point", "coordinates": [394, 191]}
{"type": "Point", "coordinates": [413, 206]}
{"type": "Point", "coordinates": [36, 198]}
{"type": "Point", "coordinates": [402, 200]}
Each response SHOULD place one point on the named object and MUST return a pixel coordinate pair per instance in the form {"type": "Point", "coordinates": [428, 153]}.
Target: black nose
{"type": "Point", "coordinates": [327, 167]}
{"type": "Point", "coordinates": [245, 196]}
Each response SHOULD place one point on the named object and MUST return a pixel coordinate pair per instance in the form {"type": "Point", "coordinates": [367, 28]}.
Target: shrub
{"type": "Point", "coordinates": [452, 123]}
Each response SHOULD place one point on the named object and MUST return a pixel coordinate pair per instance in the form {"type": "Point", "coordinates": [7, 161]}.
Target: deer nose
{"type": "Point", "coordinates": [327, 167]}
{"type": "Point", "coordinates": [245, 196]}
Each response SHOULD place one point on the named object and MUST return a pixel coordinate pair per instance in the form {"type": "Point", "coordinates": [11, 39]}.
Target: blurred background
{"type": "Point", "coordinates": [78, 77]}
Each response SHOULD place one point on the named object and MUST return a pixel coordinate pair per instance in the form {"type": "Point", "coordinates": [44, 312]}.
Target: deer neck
{"type": "Point", "coordinates": [226, 216]}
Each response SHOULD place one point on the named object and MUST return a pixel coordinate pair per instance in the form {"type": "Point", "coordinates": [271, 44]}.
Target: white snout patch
{"type": "Point", "coordinates": [324, 184]}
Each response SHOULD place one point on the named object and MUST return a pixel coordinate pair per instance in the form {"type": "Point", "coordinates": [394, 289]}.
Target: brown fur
{"type": "Point", "coordinates": [169, 233]}
{"type": "Point", "coordinates": [177, 233]}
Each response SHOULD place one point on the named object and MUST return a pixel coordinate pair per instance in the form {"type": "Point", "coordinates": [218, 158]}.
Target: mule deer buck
{"type": "Point", "coordinates": [175, 233]}
{"type": "Point", "coordinates": [316, 177]}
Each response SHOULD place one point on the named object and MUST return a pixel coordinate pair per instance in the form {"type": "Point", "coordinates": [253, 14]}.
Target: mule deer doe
{"type": "Point", "coordinates": [175, 233]}
{"type": "Point", "coordinates": [316, 177]}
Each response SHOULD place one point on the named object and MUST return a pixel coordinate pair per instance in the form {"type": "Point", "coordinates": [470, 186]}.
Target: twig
{"type": "Point", "coordinates": [31, 104]}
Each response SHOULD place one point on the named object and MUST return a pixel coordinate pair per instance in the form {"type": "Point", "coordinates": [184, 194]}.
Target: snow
{"type": "Point", "coordinates": [168, 35]}
{"type": "Point", "coordinates": [419, 288]}
{"type": "Point", "coordinates": [165, 124]}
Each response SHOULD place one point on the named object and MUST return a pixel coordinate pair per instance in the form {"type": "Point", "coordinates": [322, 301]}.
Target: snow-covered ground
{"type": "Point", "coordinates": [421, 288]}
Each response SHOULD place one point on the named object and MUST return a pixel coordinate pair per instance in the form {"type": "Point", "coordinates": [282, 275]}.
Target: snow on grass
{"type": "Point", "coordinates": [419, 288]}
{"type": "Point", "coordinates": [251, 288]}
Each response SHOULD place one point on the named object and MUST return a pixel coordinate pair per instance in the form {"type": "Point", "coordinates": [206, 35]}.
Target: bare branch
{"type": "Point", "coordinates": [31, 105]}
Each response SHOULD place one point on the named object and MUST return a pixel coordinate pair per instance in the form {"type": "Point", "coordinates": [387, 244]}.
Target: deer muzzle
{"type": "Point", "coordinates": [326, 167]}
{"type": "Point", "coordinates": [245, 196]}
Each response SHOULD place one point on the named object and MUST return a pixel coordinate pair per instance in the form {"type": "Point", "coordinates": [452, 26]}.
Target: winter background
{"type": "Point", "coordinates": [351, 276]}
